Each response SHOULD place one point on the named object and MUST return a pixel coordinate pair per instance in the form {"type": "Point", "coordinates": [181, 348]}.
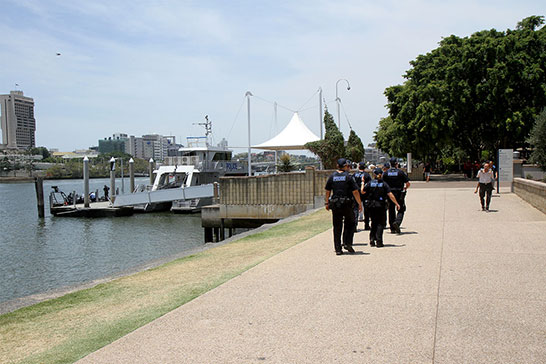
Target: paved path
{"type": "Point", "coordinates": [458, 286]}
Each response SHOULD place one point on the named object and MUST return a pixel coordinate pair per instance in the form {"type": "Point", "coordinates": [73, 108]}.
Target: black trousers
{"type": "Point", "coordinates": [366, 213]}
{"type": "Point", "coordinates": [343, 220]}
{"type": "Point", "coordinates": [378, 216]}
{"type": "Point", "coordinates": [485, 190]}
{"type": "Point", "coordinates": [397, 216]}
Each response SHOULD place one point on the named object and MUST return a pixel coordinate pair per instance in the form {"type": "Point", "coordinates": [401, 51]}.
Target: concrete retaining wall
{"type": "Point", "coordinates": [533, 192]}
{"type": "Point", "coordinates": [274, 189]}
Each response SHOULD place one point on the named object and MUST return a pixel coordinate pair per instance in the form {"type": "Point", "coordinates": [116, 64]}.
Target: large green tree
{"type": "Point", "coordinates": [354, 149]}
{"type": "Point", "coordinates": [332, 147]}
{"type": "Point", "coordinates": [476, 93]}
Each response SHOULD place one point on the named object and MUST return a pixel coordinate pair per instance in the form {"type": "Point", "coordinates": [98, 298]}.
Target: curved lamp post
{"type": "Point", "coordinates": [338, 100]}
{"type": "Point", "coordinates": [247, 95]}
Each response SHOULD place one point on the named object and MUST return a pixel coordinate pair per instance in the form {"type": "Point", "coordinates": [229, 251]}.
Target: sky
{"type": "Point", "coordinates": [158, 67]}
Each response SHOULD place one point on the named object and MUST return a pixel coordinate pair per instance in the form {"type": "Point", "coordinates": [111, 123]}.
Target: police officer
{"type": "Point", "coordinates": [377, 192]}
{"type": "Point", "coordinates": [341, 194]}
{"type": "Point", "coordinates": [362, 177]}
{"type": "Point", "coordinates": [399, 182]}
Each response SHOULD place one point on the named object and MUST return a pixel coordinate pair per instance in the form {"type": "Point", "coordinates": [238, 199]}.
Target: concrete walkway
{"type": "Point", "coordinates": [458, 286]}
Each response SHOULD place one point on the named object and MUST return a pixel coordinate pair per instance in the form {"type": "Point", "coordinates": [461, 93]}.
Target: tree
{"type": "Point", "coordinates": [354, 148]}
{"type": "Point", "coordinates": [40, 151]}
{"type": "Point", "coordinates": [537, 139]}
{"type": "Point", "coordinates": [332, 147]}
{"type": "Point", "coordinates": [476, 93]}
{"type": "Point", "coordinates": [286, 164]}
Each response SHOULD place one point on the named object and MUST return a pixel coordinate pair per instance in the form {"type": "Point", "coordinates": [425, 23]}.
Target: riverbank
{"type": "Point", "coordinates": [67, 328]}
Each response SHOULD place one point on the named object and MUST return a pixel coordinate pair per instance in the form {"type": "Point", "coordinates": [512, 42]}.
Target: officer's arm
{"type": "Point", "coordinates": [407, 184]}
{"type": "Point", "coordinates": [393, 199]}
{"type": "Point", "coordinates": [356, 194]}
{"type": "Point", "coordinates": [327, 198]}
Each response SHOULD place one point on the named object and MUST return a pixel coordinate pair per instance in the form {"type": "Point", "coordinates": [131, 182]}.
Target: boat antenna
{"type": "Point", "coordinates": [208, 128]}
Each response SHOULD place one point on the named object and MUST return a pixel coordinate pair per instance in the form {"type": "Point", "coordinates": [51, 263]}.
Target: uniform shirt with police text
{"type": "Point", "coordinates": [395, 178]}
{"type": "Point", "coordinates": [341, 184]}
{"type": "Point", "coordinates": [377, 190]}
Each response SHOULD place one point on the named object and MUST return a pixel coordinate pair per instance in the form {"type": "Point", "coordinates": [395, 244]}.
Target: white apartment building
{"type": "Point", "coordinates": [17, 121]}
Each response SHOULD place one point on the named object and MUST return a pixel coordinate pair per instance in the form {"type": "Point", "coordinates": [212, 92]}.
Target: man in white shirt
{"type": "Point", "coordinates": [485, 184]}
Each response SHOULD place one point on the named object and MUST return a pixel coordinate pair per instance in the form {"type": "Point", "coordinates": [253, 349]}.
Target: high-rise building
{"type": "Point", "coordinates": [17, 121]}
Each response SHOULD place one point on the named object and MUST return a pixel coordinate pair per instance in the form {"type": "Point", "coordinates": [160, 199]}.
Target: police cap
{"type": "Point", "coordinates": [394, 162]}
{"type": "Point", "coordinates": [361, 165]}
{"type": "Point", "coordinates": [341, 162]}
{"type": "Point", "coordinates": [377, 171]}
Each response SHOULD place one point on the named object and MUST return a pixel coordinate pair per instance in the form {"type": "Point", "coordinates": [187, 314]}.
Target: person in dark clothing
{"type": "Point", "coordinates": [341, 194]}
{"type": "Point", "coordinates": [377, 192]}
{"type": "Point", "coordinates": [106, 189]}
{"type": "Point", "coordinates": [362, 177]}
{"type": "Point", "coordinates": [399, 182]}
{"type": "Point", "coordinates": [426, 171]}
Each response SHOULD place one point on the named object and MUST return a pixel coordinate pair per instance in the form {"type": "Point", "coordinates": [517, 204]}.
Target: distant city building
{"type": "Point", "coordinates": [148, 146]}
{"type": "Point", "coordinates": [116, 143]}
{"type": "Point", "coordinates": [374, 155]}
{"type": "Point", "coordinates": [17, 121]}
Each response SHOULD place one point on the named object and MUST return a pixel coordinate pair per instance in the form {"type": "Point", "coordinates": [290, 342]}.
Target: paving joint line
{"type": "Point", "coordinates": [439, 282]}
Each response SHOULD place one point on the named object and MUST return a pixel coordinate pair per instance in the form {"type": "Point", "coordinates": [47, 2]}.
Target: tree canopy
{"type": "Point", "coordinates": [355, 148]}
{"type": "Point", "coordinates": [332, 147]}
{"type": "Point", "coordinates": [471, 94]}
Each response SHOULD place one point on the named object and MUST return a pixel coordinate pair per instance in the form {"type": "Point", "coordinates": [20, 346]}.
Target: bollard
{"type": "Point", "coordinates": [151, 170]}
{"type": "Point", "coordinates": [131, 175]}
{"type": "Point", "coordinates": [112, 179]}
{"type": "Point", "coordinates": [86, 182]}
{"type": "Point", "coordinates": [39, 184]}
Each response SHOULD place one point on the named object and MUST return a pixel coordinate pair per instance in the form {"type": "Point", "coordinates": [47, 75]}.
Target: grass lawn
{"type": "Point", "coordinates": [66, 329]}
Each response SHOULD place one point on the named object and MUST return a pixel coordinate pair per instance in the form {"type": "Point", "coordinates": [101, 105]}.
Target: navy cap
{"type": "Point", "coordinates": [362, 165]}
{"type": "Point", "coordinates": [377, 171]}
{"type": "Point", "coordinates": [341, 162]}
{"type": "Point", "coordinates": [394, 161]}
{"type": "Point", "coordinates": [387, 165]}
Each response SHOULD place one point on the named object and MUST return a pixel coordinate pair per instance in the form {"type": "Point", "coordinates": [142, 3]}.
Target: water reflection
{"type": "Point", "coordinates": [39, 255]}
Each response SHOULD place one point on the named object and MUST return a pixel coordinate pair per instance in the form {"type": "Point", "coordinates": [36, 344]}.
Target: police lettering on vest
{"type": "Point", "coordinates": [376, 192]}
{"type": "Point", "coordinates": [395, 178]}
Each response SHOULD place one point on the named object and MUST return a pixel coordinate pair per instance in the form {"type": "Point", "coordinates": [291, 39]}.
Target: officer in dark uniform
{"type": "Point", "coordinates": [399, 182]}
{"type": "Point", "coordinates": [362, 177]}
{"type": "Point", "coordinates": [377, 192]}
{"type": "Point", "coordinates": [341, 194]}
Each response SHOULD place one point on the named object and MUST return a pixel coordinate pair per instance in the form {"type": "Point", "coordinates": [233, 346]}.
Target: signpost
{"type": "Point", "coordinates": [506, 166]}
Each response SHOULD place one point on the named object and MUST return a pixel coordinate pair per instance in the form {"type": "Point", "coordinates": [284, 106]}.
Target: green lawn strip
{"type": "Point", "coordinates": [66, 329]}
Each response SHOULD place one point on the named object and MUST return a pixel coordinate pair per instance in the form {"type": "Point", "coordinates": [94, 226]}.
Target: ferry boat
{"type": "Point", "coordinates": [198, 164]}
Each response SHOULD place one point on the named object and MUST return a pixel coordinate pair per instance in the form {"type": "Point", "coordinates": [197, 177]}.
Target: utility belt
{"type": "Point", "coordinates": [339, 202]}
{"type": "Point", "coordinates": [375, 203]}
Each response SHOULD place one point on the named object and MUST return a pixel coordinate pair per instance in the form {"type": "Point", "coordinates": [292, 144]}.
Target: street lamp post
{"type": "Point", "coordinates": [338, 100]}
{"type": "Point", "coordinates": [247, 95]}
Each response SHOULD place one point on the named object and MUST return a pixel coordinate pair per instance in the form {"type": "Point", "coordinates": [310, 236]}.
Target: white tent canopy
{"type": "Point", "coordinates": [292, 137]}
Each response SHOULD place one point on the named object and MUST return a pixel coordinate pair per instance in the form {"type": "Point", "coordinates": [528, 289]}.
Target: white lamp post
{"type": "Point", "coordinates": [247, 95]}
{"type": "Point", "coordinates": [338, 100]}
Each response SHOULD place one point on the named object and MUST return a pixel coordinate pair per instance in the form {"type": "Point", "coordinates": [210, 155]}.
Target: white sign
{"type": "Point", "coordinates": [409, 163]}
{"type": "Point", "coordinates": [506, 165]}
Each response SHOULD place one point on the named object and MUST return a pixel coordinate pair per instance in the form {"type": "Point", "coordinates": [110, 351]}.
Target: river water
{"type": "Point", "coordinates": [40, 255]}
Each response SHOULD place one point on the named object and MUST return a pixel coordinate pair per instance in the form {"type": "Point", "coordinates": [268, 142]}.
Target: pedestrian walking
{"type": "Point", "coordinates": [377, 192]}
{"type": "Point", "coordinates": [427, 171]}
{"type": "Point", "coordinates": [485, 185]}
{"type": "Point", "coordinates": [362, 177]}
{"type": "Point", "coordinates": [399, 183]}
{"type": "Point", "coordinates": [341, 194]}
